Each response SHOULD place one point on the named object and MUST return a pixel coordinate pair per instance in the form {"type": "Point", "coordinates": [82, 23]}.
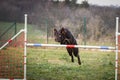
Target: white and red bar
{"type": "Point", "coordinates": [71, 46]}
{"type": "Point", "coordinates": [10, 40]}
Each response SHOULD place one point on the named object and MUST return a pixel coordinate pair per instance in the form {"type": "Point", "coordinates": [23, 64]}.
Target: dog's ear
{"type": "Point", "coordinates": [63, 31]}
{"type": "Point", "coordinates": [55, 30]}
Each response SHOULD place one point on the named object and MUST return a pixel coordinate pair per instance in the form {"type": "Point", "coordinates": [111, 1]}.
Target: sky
{"type": "Point", "coordinates": [103, 2]}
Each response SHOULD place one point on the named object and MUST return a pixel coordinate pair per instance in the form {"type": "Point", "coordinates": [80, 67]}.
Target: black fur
{"type": "Point", "coordinates": [64, 36]}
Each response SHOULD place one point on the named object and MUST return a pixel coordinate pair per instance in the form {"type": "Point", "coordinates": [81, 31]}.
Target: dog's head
{"type": "Point", "coordinates": [60, 35]}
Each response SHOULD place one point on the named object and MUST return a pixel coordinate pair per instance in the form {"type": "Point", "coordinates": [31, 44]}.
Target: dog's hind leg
{"type": "Point", "coordinates": [76, 54]}
{"type": "Point", "coordinates": [79, 61]}
{"type": "Point", "coordinates": [70, 53]}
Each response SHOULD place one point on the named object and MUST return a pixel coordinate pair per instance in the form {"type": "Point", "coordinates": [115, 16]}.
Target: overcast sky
{"type": "Point", "coordinates": [103, 2]}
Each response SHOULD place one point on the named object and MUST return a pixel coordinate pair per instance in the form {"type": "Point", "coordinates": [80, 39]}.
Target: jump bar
{"type": "Point", "coordinates": [71, 46]}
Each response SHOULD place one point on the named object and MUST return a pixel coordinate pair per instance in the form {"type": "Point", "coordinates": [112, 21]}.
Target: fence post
{"type": "Point", "coordinates": [84, 29]}
{"type": "Point", "coordinates": [47, 30]}
{"type": "Point", "coordinates": [15, 28]}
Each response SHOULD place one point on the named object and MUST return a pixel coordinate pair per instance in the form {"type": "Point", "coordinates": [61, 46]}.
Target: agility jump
{"type": "Point", "coordinates": [26, 44]}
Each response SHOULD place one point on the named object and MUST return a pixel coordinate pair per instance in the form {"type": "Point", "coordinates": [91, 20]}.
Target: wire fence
{"type": "Point", "coordinates": [12, 60]}
{"type": "Point", "coordinates": [7, 32]}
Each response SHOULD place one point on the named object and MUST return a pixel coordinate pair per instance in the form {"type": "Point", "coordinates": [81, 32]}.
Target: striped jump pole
{"type": "Point", "coordinates": [71, 46]}
{"type": "Point", "coordinates": [25, 47]}
{"type": "Point", "coordinates": [117, 50]}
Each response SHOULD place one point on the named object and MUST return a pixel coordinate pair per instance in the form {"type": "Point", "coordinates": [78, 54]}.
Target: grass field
{"type": "Point", "coordinates": [55, 64]}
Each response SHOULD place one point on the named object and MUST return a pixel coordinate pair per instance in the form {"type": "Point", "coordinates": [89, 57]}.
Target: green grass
{"type": "Point", "coordinates": [55, 64]}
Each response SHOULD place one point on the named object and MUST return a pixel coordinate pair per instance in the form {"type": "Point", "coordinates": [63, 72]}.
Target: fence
{"type": "Point", "coordinates": [11, 58]}
{"type": "Point", "coordinates": [7, 32]}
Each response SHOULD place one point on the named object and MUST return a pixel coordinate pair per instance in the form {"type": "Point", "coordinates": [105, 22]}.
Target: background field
{"type": "Point", "coordinates": [55, 64]}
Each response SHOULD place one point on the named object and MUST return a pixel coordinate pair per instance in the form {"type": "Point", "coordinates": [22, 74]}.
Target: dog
{"type": "Point", "coordinates": [64, 36]}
